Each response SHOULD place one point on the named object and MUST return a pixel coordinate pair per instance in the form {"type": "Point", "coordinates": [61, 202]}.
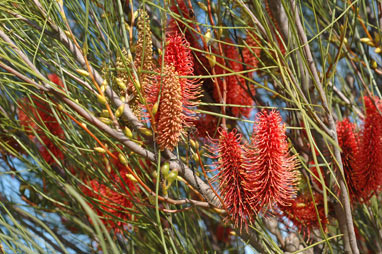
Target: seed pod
{"type": "Point", "coordinates": [172, 176]}
{"type": "Point", "coordinates": [165, 169]}
{"type": "Point", "coordinates": [105, 120]}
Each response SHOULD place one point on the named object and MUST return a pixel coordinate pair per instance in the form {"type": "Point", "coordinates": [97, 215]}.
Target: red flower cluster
{"type": "Point", "coordinates": [368, 173]}
{"type": "Point", "coordinates": [348, 141]}
{"type": "Point", "coordinates": [251, 53]}
{"type": "Point", "coordinates": [272, 173]}
{"type": "Point", "coordinates": [275, 23]}
{"type": "Point", "coordinates": [232, 174]}
{"type": "Point", "coordinates": [302, 212]}
{"type": "Point", "coordinates": [237, 91]}
{"type": "Point", "coordinates": [114, 202]}
{"type": "Point", "coordinates": [206, 126]}
{"type": "Point", "coordinates": [222, 234]}
{"type": "Point", "coordinates": [178, 54]}
{"type": "Point", "coordinates": [257, 177]}
{"type": "Point", "coordinates": [39, 116]}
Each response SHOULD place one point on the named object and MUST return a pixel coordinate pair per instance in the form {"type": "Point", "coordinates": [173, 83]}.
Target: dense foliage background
{"type": "Point", "coordinates": [190, 126]}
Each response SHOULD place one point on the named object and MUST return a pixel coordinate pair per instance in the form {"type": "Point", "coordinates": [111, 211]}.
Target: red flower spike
{"type": "Point", "coordinates": [348, 141]}
{"type": "Point", "coordinates": [271, 174]}
{"type": "Point", "coordinates": [237, 91]}
{"type": "Point", "coordinates": [206, 126]}
{"type": "Point", "coordinates": [178, 54]}
{"type": "Point", "coordinates": [368, 173]}
{"type": "Point", "coordinates": [222, 234]}
{"type": "Point", "coordinates": [231, 167]}
{"type": "Point", "coordinates": [275, 23]}
{"type": "Point", "coordinates": [56, 79]}
{"type": "Point", "coordinates": [251, 54]}
{"type": "Point", "coordinates": [316, 177]}
{"type": "Point", "coordinates": [302, 213]}
{"type": "Point", "coordinates": [115, 202]}
{"type": "Point", "coordinates": [41, 116]}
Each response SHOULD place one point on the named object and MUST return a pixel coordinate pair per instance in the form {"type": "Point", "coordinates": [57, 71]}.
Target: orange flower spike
{"type": "Point", "coordinates": [170, 117]}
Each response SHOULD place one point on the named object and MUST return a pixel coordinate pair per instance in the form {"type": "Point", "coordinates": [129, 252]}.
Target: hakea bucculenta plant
{"type": "Point", "coordinates": [232, 174]}
{"type": "Point", "coordinates": [348, 141]}
{"type": "Point", "coordinates": [368, 173]}
{"type": "Point", "coordinates": [272, 173]}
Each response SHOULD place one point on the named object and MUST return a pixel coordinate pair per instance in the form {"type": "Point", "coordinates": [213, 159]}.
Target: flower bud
{"type": "Point", "coordinates": [99, 149]}
{"type": "Point", "coordinates": [146, 132]}
{"type": "Point", "coordinates": [121, 84]}
{"type": "Point", "coordinates": [128, 132]}
{"type": "Point", "coordinates": [207, 36]}
{"type": "Point", "coordinates": [120, 110]}
{"type": "Point", "coordinates": [202, 6]}
{"type": "Point", "coordinates": [122, 159]}
{"type": "Point", "coordinates": [101, 99]}
{"type": "Point", "coordinates": [105, 120]}
{"type": "Point", "coordinates": [131, 177]}
{"type": "Point", "coordinates": [82, 72]}
{"type": "Point", "coordinates": [155, 108]}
